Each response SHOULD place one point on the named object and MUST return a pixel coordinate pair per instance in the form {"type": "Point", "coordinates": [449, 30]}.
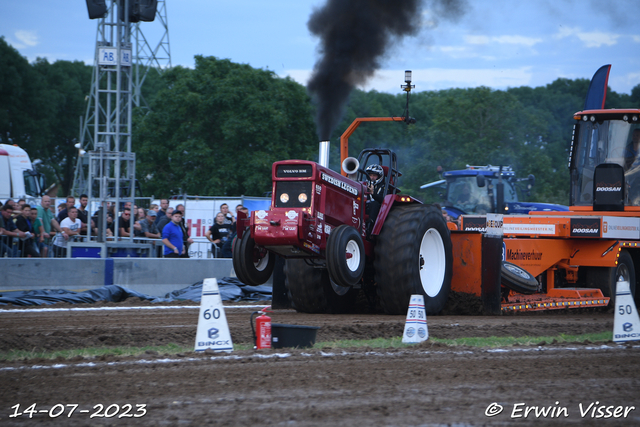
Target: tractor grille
{"type": "Point", "coordinates": [293, 194]}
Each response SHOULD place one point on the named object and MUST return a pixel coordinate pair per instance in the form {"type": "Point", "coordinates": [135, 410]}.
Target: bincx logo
{"type": "Point", "coordinates": [623, 336]}
{"type": "Point", "coordinates": [213, 333]}
{"type": "Point", "coordinates": [212, 343]}
{"type": "Point", "coordinates": [627, 327]}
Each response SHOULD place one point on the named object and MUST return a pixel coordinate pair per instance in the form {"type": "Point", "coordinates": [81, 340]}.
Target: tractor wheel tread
{"type": "Point", "coordinates": [310, 290]}
{"type": "Point", "coordinates": [337, 243]}
{"type": "Point", "coordinates": [247, 272]}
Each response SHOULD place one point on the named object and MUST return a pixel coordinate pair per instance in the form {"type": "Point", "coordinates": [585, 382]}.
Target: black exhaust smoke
{"type": "Point", "coordinates": [354, 37]}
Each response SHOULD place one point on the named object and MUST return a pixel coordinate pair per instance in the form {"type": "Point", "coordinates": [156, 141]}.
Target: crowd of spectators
{"type": "Point", "coordinates": [223, 231]}
{"type": "Point", "coordinates": [37, 231]}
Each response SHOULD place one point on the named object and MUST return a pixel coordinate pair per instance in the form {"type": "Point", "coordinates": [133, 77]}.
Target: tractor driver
{"type": "Point", "coordinates": [376, 188]}
{"type": "Point", "coordinates": [466, 199]}
{"type": "Point", "coordinates": [465, 195]}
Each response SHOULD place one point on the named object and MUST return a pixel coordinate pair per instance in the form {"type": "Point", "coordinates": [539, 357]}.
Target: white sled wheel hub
{"type": "Point", "coordinates": [353, 255]}
{"type": "Point", "coordinates": [432, 262]}
{"type": "Point", "coordinates": [517, 271]}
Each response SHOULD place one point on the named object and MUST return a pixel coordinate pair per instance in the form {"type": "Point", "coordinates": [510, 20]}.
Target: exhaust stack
{"type": "Point", "coordinates": [350, 166]}
{"type": "Point", "coordinates": [323, 157]}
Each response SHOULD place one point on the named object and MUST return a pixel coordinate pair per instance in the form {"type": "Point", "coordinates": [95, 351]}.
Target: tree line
{"type": "Point", "coordinates": [216, 129]}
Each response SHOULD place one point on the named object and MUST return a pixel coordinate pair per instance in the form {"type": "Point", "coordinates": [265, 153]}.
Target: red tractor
{"type": "Point", "coordinates": [319, 222]}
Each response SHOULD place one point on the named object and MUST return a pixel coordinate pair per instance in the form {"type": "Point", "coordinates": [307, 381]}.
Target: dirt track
{"type": "Point", "coordinates": [425, 385]}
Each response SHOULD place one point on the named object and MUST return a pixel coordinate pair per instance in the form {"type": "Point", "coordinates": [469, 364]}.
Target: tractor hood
{"type": "Point", "coordinates": [526, 207]}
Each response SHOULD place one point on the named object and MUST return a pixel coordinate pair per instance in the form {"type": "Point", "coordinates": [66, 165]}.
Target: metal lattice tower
{"type": "Point", "coordinates": [148, 57]}
{"type": "Point", "coordinates": [106, 164]}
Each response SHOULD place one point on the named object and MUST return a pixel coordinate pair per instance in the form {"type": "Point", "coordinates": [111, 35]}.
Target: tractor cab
{"type": "Point", "coordinates": [605, 162]}
{"type": "Point", "coordinates": [389, 162]}
{"type": "Point", "coordinates": [475, 189]}
{"type": "Point", "coordinates": [478, 190]}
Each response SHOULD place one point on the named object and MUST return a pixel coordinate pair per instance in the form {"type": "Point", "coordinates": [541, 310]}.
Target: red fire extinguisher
{"type": "Point", "coordinates": [263, 327]}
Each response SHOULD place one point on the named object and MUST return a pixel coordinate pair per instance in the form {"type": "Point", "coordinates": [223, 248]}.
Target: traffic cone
{"type": "Point", "coordinates": [626, 323]}
{"type": "Point", "coordinates": [415, 328]}
{"type": "Point", "coordinates": [213, 329]}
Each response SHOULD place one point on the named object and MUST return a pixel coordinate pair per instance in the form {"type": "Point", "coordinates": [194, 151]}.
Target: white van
{"type": "Point", "coordinates": [18, 179]}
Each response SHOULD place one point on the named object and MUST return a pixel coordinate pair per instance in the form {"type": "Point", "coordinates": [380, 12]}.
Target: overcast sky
{"type": "Point", "coordinates": [496, 43]}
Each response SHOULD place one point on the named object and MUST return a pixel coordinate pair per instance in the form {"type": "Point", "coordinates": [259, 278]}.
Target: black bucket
{"type": "Point", "coordinates": [292, 335]}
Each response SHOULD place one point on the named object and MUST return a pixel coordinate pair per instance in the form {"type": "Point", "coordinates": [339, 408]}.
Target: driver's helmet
{"type": "Point", "coordinates": [377, 169]}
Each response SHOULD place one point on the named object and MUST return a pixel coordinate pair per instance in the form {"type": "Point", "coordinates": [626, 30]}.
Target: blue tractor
{"type": "Point", "coordinates": [478, 190]}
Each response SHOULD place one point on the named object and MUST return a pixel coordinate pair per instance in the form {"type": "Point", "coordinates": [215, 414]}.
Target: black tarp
{"type": "Point", "coordinates": [231, 289]}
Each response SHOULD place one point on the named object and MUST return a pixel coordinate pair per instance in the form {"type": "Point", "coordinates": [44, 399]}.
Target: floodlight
{"type": "Point", "coordinates": [96, 8]}
{"type": "Point", "coordinates": [139, 10]}
{"type": "Point", "coordinates": [145, 10]}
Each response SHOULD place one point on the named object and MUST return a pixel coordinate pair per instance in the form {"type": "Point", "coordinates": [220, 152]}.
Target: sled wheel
{"type": "Point", "coordinates": [606, 278]}
{"type": "Point", "coordinates": [517, 279]}
{"type": "Point", "coordinates": [413, 256]}
{"type": "Point", "coordinates": [311, 291]}
{"type": "Point", "coordinates": [345, 256]}
{"type": "Point", "coordinates": [255, 264]}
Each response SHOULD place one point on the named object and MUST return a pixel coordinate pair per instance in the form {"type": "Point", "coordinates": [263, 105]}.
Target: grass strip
{"type": "Point", "coordinates": [377, 343]}
{"type": "Point", "coordinates": [493, 342]}
{"type": "Point", "coordinates": [92, 352]}
{"type": "Point", "coordinates": [480, 342]}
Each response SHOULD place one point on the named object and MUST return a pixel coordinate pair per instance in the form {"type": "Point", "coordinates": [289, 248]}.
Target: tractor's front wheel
{"type": "Point", "coordinates": [413, 256]}
{"type": "Point", "coordinates": [235, 256]}
{"type": "Point", "coordinates": [311, 291]}
{"type": "Point", "coordinates": [253, 264]}
{"type": "Point", "coordinates": [345, 256]}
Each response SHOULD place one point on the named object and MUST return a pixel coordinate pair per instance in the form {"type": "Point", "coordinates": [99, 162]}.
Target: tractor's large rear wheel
{"type": "Point", "coordinates": [311, 291]}
{"type": "Point", "coordinates": [253, 264]}
{"type": "Point", "coordinates": [413, 256]}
